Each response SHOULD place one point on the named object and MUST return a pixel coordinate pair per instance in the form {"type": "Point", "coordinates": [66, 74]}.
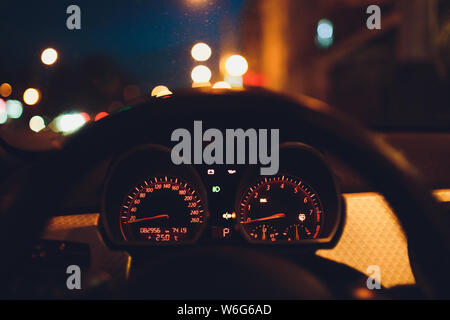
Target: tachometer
{"type": "Point", "coordinates": [281, 208]}
{"type": "Point", "coordinates": [162, 210]}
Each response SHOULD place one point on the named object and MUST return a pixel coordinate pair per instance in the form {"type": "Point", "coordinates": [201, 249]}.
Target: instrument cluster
{"type": "Point", "coordinates": [148, 201]}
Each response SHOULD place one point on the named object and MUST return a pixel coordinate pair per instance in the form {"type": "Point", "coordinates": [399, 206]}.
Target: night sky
{"type": "Point", "coordinates": [149, 40]}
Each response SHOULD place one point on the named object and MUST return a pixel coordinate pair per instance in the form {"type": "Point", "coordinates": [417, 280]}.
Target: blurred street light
{"type": "Point", "coordinates": [236, 82]}
{"type": "Point", "coordinates": [37, 123]}
{"type": "Point", "coordinates": [2, 106]}
{"type": "Point", "coordinates": [201, 74]}
{"type": "Point", "coordinates": [86, 116]}
{"type": "Point", "coordinates": [101, 115]}
{"type": "Point", "coordinates": [3, 114]}
{"type": "Point", "coordinates": [49, 56]}
{"type": "Point", "coordinates": [325, 29]}
{"type": "Point", "coordinates": [222, 85]}
{"type": "Point", "coordinates": [69, 122]}
{"type": "Point", "coordinates": [236, 65]}
{"type": "Point", "coordinates": [201, 52]}
{"type": "Point", "coordinates": [14, 109]}
{"type": "Point", "coordinates": [160, 91]}
{"type": "Point", "coordinates": [31, 96]}
{"type": "Point", "coordinates": [3, 117]}
{"type": "Point", "coordinates": [195, 3]}
{"type": "Point", "coordinates": [325, 33]}
{"type": "Point", "coordinates": [5, 89]}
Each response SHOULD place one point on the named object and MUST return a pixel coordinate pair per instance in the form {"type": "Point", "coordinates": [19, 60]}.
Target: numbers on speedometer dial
{"type": "Point", "coordinates": [281, 208]}
{"type": "Point", "coordinates": [162, 210]}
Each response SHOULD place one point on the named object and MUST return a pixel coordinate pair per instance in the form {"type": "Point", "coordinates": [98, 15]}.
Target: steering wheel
{"type": "Point", "coordinates": [49, 180]}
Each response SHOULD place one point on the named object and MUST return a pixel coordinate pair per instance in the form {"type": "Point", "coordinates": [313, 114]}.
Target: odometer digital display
{"type": "Point", "coordinates": [162, 210]}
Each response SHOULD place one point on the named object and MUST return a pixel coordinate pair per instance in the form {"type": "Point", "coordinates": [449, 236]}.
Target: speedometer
{"type": "Point", "coordinates": [162, 210]}
{"type": "Point", "coordinates": [281, 208]}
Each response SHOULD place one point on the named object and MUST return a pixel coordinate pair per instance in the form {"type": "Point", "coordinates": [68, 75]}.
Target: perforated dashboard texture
{"type": "Point", "coordinates": [72, 222]}
{"type": "Point", "coordinates": [106, 264]}
{"type": "Point", "coordinates": [371, 236]}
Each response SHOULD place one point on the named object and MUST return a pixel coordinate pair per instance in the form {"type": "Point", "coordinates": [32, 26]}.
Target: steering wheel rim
{"type": "Point", "coordinates": [422, 218]}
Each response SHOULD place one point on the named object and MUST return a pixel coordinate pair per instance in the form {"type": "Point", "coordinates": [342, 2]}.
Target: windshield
{"type": "Point", "coordinates": [64, 65]}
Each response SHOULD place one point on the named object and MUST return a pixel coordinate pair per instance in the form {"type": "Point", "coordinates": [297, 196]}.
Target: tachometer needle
{"type": "Point", "coordinates": [161, 216]}
{"type": "Point", "coordinates": [275, 216]}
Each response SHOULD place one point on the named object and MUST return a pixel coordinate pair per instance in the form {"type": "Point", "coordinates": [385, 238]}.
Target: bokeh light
{"type": "Point", "coordinates": [14, 109]}
{"type": "Point", "coordinates": [2, 106]}
{"type": "Point", "coordinates": [201, 74]}
{"type": "Point", "coordinates": [37, 123]}
{"type": "Point", "coordinates": [3, 114]}
{"type": "Point", "coordinates": [70, 122]}
{"type": "Point", "coordinates": [196, 2]}
{"type": "Point", "coordinates": [160, 91]}
{"type": "Point", "coordinates": [3, 118]}
{"type": "Point", "coordinates": [5, 89]}
{"type": "Point", "coordinates": [31, 96]}
{"type": "Point", "coordinates": [86, 116]}
{"type": "Point", "coordinates": [101, 115]}
{"type": "Point", "coordinates": [222, 85]}
{"type": "Point", "coordinates": [49, 56]}
{"type": "Point", "coordinates": [235, 82]}
{"type": "Point", "coordinates": [201, 52]}
{"type": "Point", "coordinates": [236, 65]}
{"type": "Point", "coordinates": [325, 32]}
{"type": "Point", "coordinates": [325, 29]}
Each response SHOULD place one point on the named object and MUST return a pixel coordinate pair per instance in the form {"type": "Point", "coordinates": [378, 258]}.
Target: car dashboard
{"type": "Point", "coordinates": [148, 201]}
{"type": "Point", "coordinates": [366, 231]}
{"type": "Point", "coordinates": [140, 203]}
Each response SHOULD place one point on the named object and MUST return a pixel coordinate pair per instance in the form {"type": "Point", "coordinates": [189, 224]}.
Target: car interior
{"type": "Point", "coordinates": [96, 97]}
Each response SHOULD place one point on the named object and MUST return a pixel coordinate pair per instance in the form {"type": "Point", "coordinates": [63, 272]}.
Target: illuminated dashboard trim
{"type": "Point", "coordinates": [372, 235]}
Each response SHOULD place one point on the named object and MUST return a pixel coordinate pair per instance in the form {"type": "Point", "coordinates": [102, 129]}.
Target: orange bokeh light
{"type": "Point", "coordinates": [101, 115]}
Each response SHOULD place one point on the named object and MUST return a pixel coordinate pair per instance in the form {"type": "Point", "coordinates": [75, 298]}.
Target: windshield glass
{"type": "Point", "coordinates": [64, 65]}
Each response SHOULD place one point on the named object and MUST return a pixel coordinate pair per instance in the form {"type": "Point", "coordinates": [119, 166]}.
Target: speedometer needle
{"type": "Point", "coordinates": [275, 216]}
{"type": "Point", "coordinates": [161, 216]}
